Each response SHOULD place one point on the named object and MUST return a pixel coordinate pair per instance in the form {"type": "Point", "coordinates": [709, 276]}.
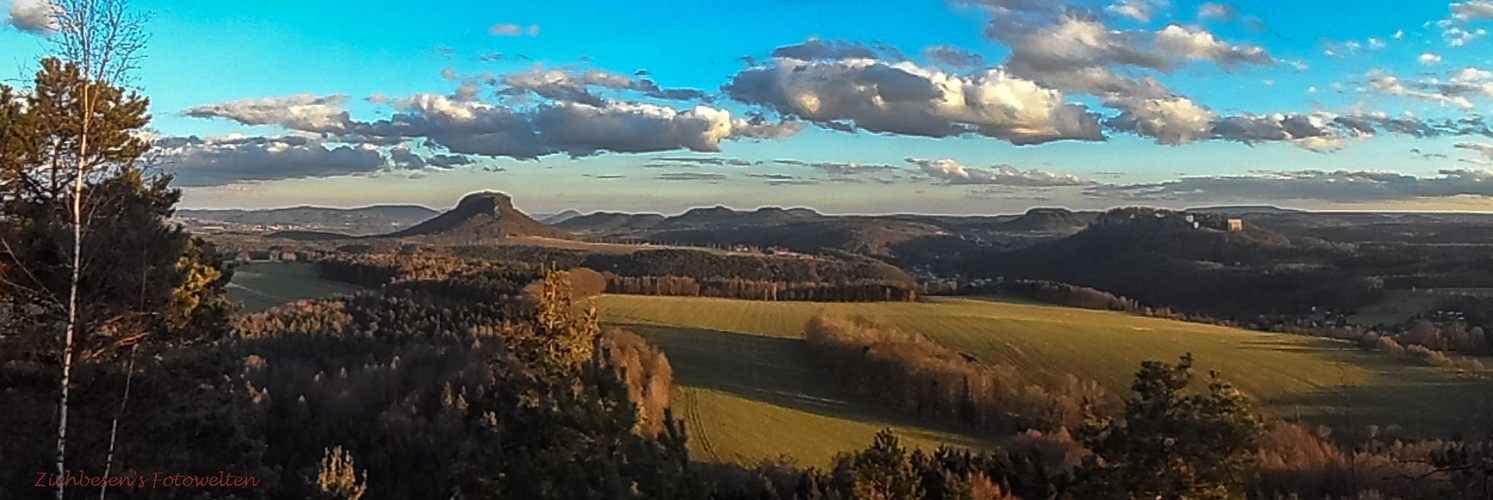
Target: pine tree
{"type": "Point", "coordinates": [885, 471]}
{"type": "Point", "coordinates": [1172, 444]}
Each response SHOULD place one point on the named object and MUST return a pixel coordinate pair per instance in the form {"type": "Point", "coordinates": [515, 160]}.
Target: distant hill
{"type": "Point", "coordinates": [808, 231]}
{"type": "Point", "coordinates": [1159, 257]}
{"type": "Point", "coordinates": [552, 219]}
{"type": "Point", "coordinates": [308, 235]}
{"type": "Point", "coordinates": [375, 219]}
{"type": "Point", "coordinates": [479, 216]}
{"type": "Point", "coordinates": [609, 222]}
{"type": "Point", "coordinates": [719, 216]}
{"type": "Point", "coordinates": [1048, 220]}
{"type": "Point", "coordinates": [1244, 209]}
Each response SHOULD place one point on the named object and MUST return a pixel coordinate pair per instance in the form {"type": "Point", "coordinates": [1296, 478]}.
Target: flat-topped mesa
{"type": "Point", "coordinates": [485, 202]}
{"type": "Point", "coordinates": [483, 215]}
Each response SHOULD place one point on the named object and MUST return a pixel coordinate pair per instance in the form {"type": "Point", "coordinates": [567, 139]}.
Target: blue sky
{"type": "Point", "coordinates": [963, 106]}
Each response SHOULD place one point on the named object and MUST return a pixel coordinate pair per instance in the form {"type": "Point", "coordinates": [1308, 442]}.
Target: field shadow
{"type": "Point", "coordinates": [1450, 409]}
{"type": "Point", "coordinates": [776, 371]}
{"type": "Point", "coordinates": [1403, 396]}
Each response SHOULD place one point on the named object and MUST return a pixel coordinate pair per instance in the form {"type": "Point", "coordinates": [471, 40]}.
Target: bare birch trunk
{"type": "Point", "coordinates": [72, 300]}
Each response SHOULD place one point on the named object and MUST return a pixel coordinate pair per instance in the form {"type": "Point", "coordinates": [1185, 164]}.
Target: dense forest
{"type": "Point", "coordinates": [658, 272]}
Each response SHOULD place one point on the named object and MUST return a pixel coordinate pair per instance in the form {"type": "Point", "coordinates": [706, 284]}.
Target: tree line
{"type": "Point", "coordinates": [925, 378]}
{"type": "Point", "coordinates": [737, 288]}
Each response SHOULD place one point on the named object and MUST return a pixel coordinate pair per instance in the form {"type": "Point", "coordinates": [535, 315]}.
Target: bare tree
{"type": "Point", "coordinates": [105, 38]}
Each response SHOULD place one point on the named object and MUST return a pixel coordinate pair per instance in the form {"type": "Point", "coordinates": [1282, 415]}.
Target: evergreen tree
{"type": "Point", "coordinates": [1171, 444]}
{"type": "Point", "coordinates": [885, 471]}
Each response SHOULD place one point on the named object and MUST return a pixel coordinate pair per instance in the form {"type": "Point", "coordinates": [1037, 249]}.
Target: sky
{"type": "Point", "coordinates": [846, 106]}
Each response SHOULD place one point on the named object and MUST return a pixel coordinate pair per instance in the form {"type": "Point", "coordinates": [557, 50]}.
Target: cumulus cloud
{"type": "Point", "coordinates": [1393, 86]}
{"type": "Point", "coordinates": [1220, 11]}
{"type": "Point", "coordinates": [1079, 54]}
{"type": "Point", "coordinates": [1340, 186]}
{"type": "Point", "coordinates": [905, 98]}
{"type": "Point", "coordinates": [1456, 88]}
{"type": "Point", "coordinates": [510, 29]}
{"type": "Point", "coordinates": [1139, 10]}
{"type": "Point", "coordinates": [1171, 120]}
{"type": "Point", "coordinates": [560, 113]}
{"type": "Point", "coordinates": [582, 86]}
{"type": "Point", "coordinates": [829, 50]}
{"type": "Point", "coordinates": [1482, 147]}
{"type": "Point", "coordinates": [952, 56]}
{"type": "Point", "coordinates": [841, 168]}
{"type": "Point", "coordinates": [1076, 43]}
{"type": "Point", "coordinates": [227, 160]}
{"type": "Point", "coordinates": [448, 161]}
{"type": "Point", "coordinates": [1473, 10]}
{"type": "Point", "coordinates": [1454, 28]}
{"type": "Point", "coordinates": [564, 127]}
{"type": "Point", "coordinates": [303, 112]}
{"type": "Point", "coordinates": [1429, 58]}
{"type": "Point", "coordinates": [1199, 45]}
{"type": "Point", "coordinates": [405, 158]}
{"type": "Point", "coordinates": [953, 172]}
{"type": "Point", "coordinates": [38, 17]}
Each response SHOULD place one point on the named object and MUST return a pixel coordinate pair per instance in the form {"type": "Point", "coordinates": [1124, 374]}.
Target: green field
{"type": "Point", "coordinates": [749, 388]}
{"type": "Point", "coordinates": [262, 285]}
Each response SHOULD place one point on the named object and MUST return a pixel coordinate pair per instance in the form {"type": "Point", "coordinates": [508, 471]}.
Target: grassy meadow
{"type": "Point", "coordinates": [262, 285]}
{"type": "Point", "coordinates": [750, 389]}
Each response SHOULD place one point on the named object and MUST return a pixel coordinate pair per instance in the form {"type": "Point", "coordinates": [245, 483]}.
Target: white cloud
{"type": "Point", "coordinates": [303, 112]}
{"type": "Point", "coordinates": [1429, 58]}
{"type": "Point", "coordinates": [1473, 10]}
{"type": "Point", "coordinates": [904, 98]}
{"type": "Point", "coordinates": [37, 17]}
{"type": "Point", "coordinates": [1139, 10]}
{"type": "Point", "coordinates": [564, 127]}
{"type": "Point", "coordinates": [233, 159]}
{"type": "Point", "coordinates": [1319, 131]}
{"type": "Point", "coordinates": [1340, 186]}
{"type": "Point", "coordinates": [1199, 45]}
{"type": "Point", "coordinates": [953, 172]}
{"type": "Point", "coordinates": [1393, 86]}
{"type": "Point", "coordinates": [510, 29]}
{"type": "Point", "coordinates": [1171, 120]}
{"type": "Point", "coordinates": [1482, 147]}
{"type": "Point", "coordinates": [539, 113]}
{"type": "Point", "coordinates": [1456, 89]}
{"type": "Point", "coordinates": [582, 86]}
{"type": "Point", "coordinates": [1213, 10]}
{"type": "Point", "coordinates": [956, 57]}
{"type": "Point", "coordinates": [1075, 43]}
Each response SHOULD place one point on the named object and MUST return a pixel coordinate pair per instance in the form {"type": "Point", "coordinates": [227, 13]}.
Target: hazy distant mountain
{"type": "Point", "coordinates": [806, 230]}
{"type": "Point", "coordinates": [552, 219]}
{"type": "Point", "coordinates": [721, 216]}
{"type": "Point", "coordinates": [1244, 209]}
{"type": "Point", "coordinates": [610, 222]}
{"type": "Point", "coordinates": [351, 221]}
{"type": "Point", "coordinates": [1049, 220]}
{"type": "Point", "coordinates": [480, 216]}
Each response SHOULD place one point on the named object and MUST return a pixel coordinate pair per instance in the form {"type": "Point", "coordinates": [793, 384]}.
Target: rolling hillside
{"type": "Point", "coordinates": [746, 382]}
